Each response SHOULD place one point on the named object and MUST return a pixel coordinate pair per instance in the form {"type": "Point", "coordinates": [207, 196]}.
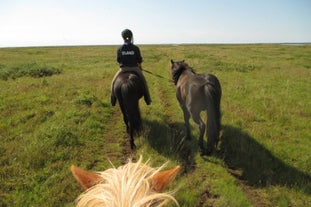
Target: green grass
{"type": "Point", "coordinates": [55, 111]}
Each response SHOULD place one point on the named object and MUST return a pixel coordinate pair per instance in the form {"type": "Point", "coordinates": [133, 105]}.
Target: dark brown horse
{"type": "Point", "coordinates": [128, 89]}
{"type": "Point", "coordinates": [196, 93]}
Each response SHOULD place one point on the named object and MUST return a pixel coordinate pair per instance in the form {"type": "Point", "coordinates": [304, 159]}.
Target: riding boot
{"type": "Point", "coordinates": [113, 99]}
{"type": "Point", "coordinates": [146, 93]}
{"type": "Point", "coordinates": [147, 96]}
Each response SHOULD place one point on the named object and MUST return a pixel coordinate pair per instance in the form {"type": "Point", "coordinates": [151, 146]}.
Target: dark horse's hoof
{"type": "Point", "coordinates": [202, 152]}
{"type": "Point", "coordinates": [133, 146]}
{"type": "Point", "coordinates": [209, 150]}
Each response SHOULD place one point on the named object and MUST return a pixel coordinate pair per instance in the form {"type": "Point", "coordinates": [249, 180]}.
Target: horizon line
{"type": "Point", "coordinates": [149, 44]}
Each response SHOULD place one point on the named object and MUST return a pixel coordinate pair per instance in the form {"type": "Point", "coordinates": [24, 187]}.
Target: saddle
{"type": "Point", "coordinates": [142, 79]}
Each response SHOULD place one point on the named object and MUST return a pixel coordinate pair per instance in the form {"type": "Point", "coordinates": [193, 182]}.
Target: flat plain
{"type": "Point", "coordinates": [55, 111]}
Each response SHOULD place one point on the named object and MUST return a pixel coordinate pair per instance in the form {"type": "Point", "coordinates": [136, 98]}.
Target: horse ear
{"type": "Point", "coordinates": [162, 179]}
{"type": "Point", "coordinates": [172, 61]}
{"type": "Point", "coordinates": [85, 178]}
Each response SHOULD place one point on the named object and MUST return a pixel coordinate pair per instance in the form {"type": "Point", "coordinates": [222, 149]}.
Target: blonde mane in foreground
{"type": "Point", "coordinates": [130, 185]}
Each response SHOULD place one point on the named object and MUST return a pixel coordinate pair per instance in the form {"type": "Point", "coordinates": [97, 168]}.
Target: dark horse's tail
{"type": "Point", "coordinates": [212, 90]}
{"type": "Point", "coordinates": [128, 96]}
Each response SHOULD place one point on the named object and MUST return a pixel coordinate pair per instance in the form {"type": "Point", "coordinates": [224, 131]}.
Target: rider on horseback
{"type": "Point", "coordinates": [129, 59]}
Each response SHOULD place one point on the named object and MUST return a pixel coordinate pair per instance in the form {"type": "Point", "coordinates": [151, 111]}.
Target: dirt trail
{"type": "Point", "coordinates": [118, 137]}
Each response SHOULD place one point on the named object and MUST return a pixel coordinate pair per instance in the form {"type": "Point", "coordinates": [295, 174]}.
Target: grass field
{"type": "Point", "coordinates": [55, 111]}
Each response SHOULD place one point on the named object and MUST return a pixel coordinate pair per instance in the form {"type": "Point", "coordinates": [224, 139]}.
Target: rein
{"type": "Point", "coordinates": [156, 75]}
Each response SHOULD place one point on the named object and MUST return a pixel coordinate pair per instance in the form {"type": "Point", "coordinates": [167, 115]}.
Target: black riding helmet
{"type": "Point", "coordinates": [127, 35]}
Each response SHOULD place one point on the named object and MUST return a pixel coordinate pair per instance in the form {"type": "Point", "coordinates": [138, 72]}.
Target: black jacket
{"type": "Point", "coordinates": [129, 56]}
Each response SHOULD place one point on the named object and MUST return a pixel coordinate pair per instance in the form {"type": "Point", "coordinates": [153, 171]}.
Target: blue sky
{"type": "Point", "coordinates": [100, 22]}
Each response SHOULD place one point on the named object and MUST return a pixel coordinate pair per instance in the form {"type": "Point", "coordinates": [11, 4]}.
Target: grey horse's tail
{"type": "Point", "coordinates": [212, 90]}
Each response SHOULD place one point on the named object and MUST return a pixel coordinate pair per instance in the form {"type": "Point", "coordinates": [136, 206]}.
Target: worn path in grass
{"type": "Point", "coordinates": [116, 144]}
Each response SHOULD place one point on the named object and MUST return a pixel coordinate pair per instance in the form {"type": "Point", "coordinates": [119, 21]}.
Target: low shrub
{"type": "Point", "coordinates": [30, 69]}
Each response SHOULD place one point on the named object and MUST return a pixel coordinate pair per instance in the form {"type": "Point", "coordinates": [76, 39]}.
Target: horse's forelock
{"type": "Point", "coordinates": [126, 185]}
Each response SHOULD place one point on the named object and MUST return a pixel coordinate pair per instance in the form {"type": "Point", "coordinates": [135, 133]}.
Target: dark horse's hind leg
{"type": "Point", "coordinates": [128, 128]}
{"type": "Point", "coordinates": [133, 146]}
{"type": "Point", "coordinates": [130, 132]}
{"type": "Point", "coordinates": [125, 119]}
